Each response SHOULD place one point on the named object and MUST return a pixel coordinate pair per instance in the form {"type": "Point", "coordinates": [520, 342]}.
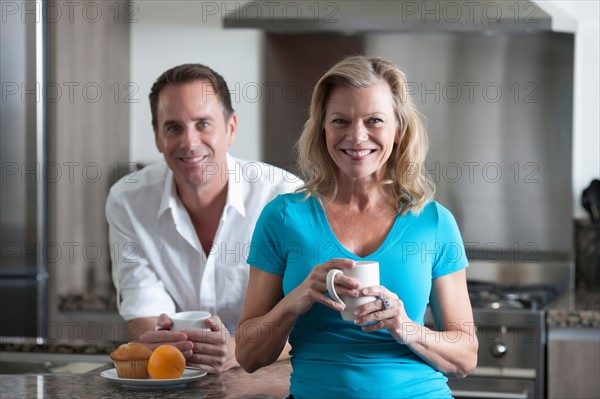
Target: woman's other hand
{"type": "Point", "coordinates": [452, 346]}
{"type": "Point", "coordinates": [385, 313]}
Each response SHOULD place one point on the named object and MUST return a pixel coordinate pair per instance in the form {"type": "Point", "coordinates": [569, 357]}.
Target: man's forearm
{"type": "Point", "coordinates": [136, 327]}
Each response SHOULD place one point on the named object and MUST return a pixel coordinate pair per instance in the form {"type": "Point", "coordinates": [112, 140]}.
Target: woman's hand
{"type": "Point", "coordinates": [314, 289]}
{"type": "Point", "coordinates": [386, 313]}
{"type": "Point", "coordinates": [451, 346]}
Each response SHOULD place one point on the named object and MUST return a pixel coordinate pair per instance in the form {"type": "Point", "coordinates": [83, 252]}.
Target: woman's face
{"type": "Point", "coordinates": [360, 131]}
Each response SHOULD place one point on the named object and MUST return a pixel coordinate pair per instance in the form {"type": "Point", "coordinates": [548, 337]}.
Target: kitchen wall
{"type": "Point", "coordinates": [586, 125]}
{"type": "Point", "coordinates": [89, 134]}
{"type": "Point", "coordinates": [169, 33]}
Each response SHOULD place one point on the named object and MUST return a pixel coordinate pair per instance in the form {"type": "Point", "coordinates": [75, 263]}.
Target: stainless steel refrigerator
{"type": "Point", "coordinates": [23, 205]}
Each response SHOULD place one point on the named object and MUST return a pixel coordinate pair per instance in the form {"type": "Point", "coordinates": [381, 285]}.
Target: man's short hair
{"type": "Point", "coordinates": [187, 73]}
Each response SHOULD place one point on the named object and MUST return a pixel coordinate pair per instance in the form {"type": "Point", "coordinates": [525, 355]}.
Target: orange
{"type": "Point", "coordinates": [166, 362]}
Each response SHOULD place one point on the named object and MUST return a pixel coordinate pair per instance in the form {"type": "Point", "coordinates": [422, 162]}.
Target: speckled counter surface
{"type": "Point", "coordinates": [271, 382]}
{"type": "Point", "coordinates": [27, 344]}
{"type": "Point", "coordinates": [575, 309]}
{"type": "Point", "coordinates": [267, 383]}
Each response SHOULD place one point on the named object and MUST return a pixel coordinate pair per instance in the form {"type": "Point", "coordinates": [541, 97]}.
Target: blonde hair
{"type": "Point", "coordinates": [404, 175]}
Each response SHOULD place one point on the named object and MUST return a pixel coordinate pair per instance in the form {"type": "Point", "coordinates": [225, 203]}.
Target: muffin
{"type": "Point", "coordinates": [131, 360]}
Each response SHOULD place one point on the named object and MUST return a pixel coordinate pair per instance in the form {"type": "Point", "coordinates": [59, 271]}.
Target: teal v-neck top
{"type": "Point", "coordinates": [331, 357]}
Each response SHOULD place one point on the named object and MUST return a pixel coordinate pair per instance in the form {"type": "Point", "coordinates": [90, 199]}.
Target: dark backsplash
{"type": "Point", "coordinates": [587, 273]}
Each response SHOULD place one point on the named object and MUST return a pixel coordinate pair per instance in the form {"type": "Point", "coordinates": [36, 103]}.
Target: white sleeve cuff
{"type": "Point", "coordinates": [145, 302]}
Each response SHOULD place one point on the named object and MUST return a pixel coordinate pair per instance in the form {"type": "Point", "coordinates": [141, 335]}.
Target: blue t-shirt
{"type": "Point", "coordinates": [331, 357]}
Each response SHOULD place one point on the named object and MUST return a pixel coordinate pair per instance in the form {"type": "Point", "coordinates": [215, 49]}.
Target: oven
{"type": "Point", "coordinates": [494, 388]}
{"type": "Point", "coordinates": [509, 302]}
{"type": "Point", "coordinates": [511, 357]}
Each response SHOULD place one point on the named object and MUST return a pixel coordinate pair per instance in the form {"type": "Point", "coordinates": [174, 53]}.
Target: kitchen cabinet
{"type": "Point", "coordinates": [573, 363]}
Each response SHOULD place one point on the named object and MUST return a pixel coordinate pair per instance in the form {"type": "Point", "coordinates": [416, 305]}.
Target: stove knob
{"type": "Point", "coordinates": [499, 349]}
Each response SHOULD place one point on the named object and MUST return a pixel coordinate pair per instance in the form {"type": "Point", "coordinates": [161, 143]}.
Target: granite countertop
{"type": "Point", "coordinates": [575, 309]}
{"type": "Point", "coordinates": [29, 344]}
{"type": "Point", "coordinates": [270, 382]}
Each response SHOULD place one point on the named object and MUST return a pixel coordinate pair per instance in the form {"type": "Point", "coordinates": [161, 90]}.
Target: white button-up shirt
{"type": "Point", "coordinates": [159, 265]}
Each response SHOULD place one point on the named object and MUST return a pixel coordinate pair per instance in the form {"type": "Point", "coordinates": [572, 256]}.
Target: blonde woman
{"type": "Point", "coordinates": [365, 197]}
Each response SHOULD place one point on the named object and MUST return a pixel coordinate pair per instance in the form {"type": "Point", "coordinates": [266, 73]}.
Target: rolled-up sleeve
{"type": "Point", "coordinates": [140, 293]}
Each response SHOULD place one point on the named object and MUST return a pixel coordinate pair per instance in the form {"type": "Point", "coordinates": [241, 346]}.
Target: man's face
{"type": "Point", "coordinates": [192, 132]}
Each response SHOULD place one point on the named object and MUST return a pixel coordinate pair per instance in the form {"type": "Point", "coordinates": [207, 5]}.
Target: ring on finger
{"type": "Point", "coordinates": [386, 303]}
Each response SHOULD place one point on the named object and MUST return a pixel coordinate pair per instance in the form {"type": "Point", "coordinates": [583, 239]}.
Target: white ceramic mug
{"type": "Point", "coordinates": [192, 320]}
{"type": "Point", "coordinates": [367, 272]}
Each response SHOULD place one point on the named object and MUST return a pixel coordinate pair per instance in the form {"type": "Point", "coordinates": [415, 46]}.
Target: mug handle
{"type": "Point", "coordinates": [330, 286]}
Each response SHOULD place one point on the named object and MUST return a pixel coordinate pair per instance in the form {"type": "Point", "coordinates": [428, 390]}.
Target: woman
{"type": "Point", "coordinates": [365, 198]}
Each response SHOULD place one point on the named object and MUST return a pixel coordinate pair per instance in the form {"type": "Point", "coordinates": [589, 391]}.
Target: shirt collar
{"type": "Point", "coordinates": [169, 194]}
{"type": "Point", "coordinates": [235, 186]}
{"type": "Point", "coordinates": [235, 189]}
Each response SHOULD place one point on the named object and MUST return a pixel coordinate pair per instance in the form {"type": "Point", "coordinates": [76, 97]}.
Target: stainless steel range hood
{"type": "Point", "coordinates": [352, 16]}
{"type": "Point", "coordinates": [495, 80]}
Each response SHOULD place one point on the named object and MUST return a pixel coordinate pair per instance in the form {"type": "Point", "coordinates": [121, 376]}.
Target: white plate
{"type": "Point", "coordinates": [189, 375]}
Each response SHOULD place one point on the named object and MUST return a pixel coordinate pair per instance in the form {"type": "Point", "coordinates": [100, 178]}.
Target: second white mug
{"type": "Point", "coordinates": [192, 320]}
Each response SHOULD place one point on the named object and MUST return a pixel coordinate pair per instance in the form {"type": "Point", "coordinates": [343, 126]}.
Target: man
{"type": "Point", "coordinates": [183, 226]}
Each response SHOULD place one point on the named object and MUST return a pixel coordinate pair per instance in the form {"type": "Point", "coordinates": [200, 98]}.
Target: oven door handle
{"type": "Point", "coordinates": [490, 395]}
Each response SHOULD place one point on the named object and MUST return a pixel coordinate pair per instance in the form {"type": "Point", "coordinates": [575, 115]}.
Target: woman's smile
{"type": "Point", "coordinates": [358, 154]}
